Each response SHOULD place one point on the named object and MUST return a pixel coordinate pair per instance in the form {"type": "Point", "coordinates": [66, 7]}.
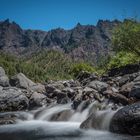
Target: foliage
{"type": "Point", "coordinates": [126, 37]}
{"type": "Point", "coordinates": [55, 64]}
{"type": "Point", "coordinates": [122, 59]}
{"type": "Point", "coordinates": [78, 67]}
{"type": "Point", "coordinates": [43, 66]}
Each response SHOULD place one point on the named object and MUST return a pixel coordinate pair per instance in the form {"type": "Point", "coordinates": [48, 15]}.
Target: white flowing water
{"type": "Point", "coordinates": [47, 114]}
{"type": "Point", "coordinates": [41, 128]}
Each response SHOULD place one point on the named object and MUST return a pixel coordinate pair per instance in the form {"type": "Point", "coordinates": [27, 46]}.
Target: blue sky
{"type": "Point", "coordinates": [49, 14]}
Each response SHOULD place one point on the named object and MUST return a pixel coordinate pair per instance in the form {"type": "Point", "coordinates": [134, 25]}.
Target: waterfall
{"type": "Point", "coordinates": [46, 123]}
{"type": "Point", "coordinates": [102, 112]}
{"type": "Point", "coordinates": [49, 112]}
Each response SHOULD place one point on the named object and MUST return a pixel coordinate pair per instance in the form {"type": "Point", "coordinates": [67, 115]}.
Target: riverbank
{"type": "Point", "coordinates": [108, 103]}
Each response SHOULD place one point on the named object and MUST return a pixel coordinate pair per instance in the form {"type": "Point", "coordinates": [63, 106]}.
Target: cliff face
{"type": "Point", "coordinates": [84, 42]}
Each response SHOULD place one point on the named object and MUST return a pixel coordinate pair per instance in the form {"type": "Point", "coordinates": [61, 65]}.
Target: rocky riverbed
{"type": "Point", "coordinates": [108, 103]}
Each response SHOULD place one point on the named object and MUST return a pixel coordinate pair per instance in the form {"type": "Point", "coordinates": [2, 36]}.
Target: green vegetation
{"type": "Point", "coordinates": [126, 37]}
{"type": "Point", "coordinates": [41, 67]}
{"type": "Point", "coordinates": [56, 65]}
{"type": "Point", "coordinates": [46, 65]}
{"type": "Point", "coordinates": [78, 67]}
{"type": "Point", "coordinates": [126, 44]}
{"type": "Point", "coordinates": [122, 59]}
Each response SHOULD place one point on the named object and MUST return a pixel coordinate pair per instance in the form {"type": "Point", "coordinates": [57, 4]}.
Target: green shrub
{"type": "Point", "coordinates": [78, 67]}
{"type": "Point", "coordinates": [42, 66]}
{"type": "Point", "coordinates": [122, 59]}
{"type": "Point", "coordinates": [126, 37]}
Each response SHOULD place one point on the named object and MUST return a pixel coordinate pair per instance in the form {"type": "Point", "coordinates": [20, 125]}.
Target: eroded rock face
{"type": "Point", "coordinates": [90, 39]}
{"type": "Point", "coordinates": [127, 120]}
{"type": "Point", "coordinates": [12, 99]}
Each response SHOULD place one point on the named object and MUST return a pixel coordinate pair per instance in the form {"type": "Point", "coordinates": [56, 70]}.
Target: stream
{"type": "Point", "coordinates": [60, 122]}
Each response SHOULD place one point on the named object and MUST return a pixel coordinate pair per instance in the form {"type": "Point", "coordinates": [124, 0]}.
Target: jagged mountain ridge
{"type": "Point", "coordinates": [83, 42]}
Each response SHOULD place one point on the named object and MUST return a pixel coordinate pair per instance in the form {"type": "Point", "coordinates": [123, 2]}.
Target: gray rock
{"type": "Point", "coordinates": [2, 72]}
{"type": "Point", "coordinates": [86, 77]}
{"type": "Point", "coordinates": [90, 93]}
{"type": "Point", "coordinates": [14, 117]}
{"type": "Point", "coordinates": [97, 85]}
{"type": "Point", "coordinates": [135, 91]}
{"type": "Point", "coordinates": [123, 80]}
{"type": "Point", "coordinates": [4, 80]}
{"type": "Point", "coordinates": [127, 120]}
{"type": "Point", "coordinates": [49, 88]}
{"type": "Point", "coordinates": [62, 116]}
{"type": "Point", "coordinates": [116, 97]}
{"type": "Point", "coordinates": [37, 99]}
{"type": "Point", "coordinates": [125, 89]}
{"type": "Point", "coordinates": [21, 81]}
{"type": "Point", "coordinates": [137, 79]}
{"type": "Point", "coordinates": [69, 91]}
{"type": "Point", "coordinates": [39, 88]}
{"type": "Point", "coordinates": [1, 88]}
{"type": "Point", "coordinates": [53, 86]}
{"type": "Point", "coordinates": [92, 122]}
{"type": "Point", "coordinates": [12, 99]}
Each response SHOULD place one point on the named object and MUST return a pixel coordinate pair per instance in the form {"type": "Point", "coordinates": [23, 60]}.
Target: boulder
{"type": "Point", "coordinates": [4, 80]}
{"type": "Point", "coordinates": [116, 97]}
{"type": "Point", "coordinates": [128, 69]}
{"type": "Point", "coordinates": [91, 122]}
{"type": "Point", "coordinates": [13, 99]}
{"type": "Point", "coordinates": [137, 79]}
{"type": "Point", "coordinates": [62, 97]}
{"type": "Point", "coordinates": [2, 72]}
{"type": "Point", "coordinates": [39, 88]}
{"type": "Point", "coordinates": [21, 81]}
{"type": "Point", "coordinates": [37, 100]}
{"type": "Point", "coordinates": [14, 117]}
{"type": "Point", "coordinates": [71, 83]}
{"type": "Point", "coordinates": [53, 86]}
{"type": "Point", "coordinates": [125, 89]}
{"type": "Point", "coordinates": [97, 85]}
{"type": "Point", "coordinates": [98, 120]}
{"type": "Point", "coordinates": [62, 116]}
{"type": "Point", "coordinates": [49, 88]}
{"type": "Point", "coordinates": [90, 94]}
{"type": "Point", "coordinates": [83, 75]}
{"type": "Point", "coordinates": [86, 77]}
{"type": "Point", "coordinates": [69, 91]}
{"type": "Point", "coordinates": [123, 80]}
{"type": "Point", "coordinates": [135, 90]}
{"type": "Point", "coordinates": [127, 120]}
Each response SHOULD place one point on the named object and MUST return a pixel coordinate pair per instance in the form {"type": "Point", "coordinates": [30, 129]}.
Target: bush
{"type": "Point", "coordinates": [78, 67]}
{"type": "Point", "coordinates": [43, 66]}
{"type": "Point", "coordinates": [126, 37]}
{"type": "Point", "coordinates": [122, 59]}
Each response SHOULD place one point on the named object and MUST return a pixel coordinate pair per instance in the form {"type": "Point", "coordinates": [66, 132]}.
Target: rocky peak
{"type": "Point", "coordinates": [82, 39]}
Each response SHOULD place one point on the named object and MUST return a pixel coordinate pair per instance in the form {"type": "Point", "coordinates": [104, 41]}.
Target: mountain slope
{"type": "Point", "coordinates": [83, 42]}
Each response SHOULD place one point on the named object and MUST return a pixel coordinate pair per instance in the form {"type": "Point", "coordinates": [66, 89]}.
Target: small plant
{"type": "Point", "coordinates": [78, 67]}
{"type": "Point", "coordinates": [126, 37]}
{"type": "Point", "coordinates": [122, 59]}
